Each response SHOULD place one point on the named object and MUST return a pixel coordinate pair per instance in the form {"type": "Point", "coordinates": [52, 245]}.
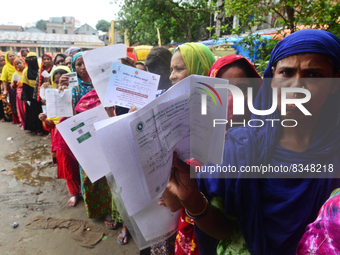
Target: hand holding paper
{"type": "Point", "coordinates": [59, 104]}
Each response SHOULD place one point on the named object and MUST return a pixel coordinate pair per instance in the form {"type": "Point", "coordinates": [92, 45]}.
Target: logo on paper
{"type": "Point", "coordinates": [140, 126]}
{"type": "Point", "coordinates": [136, 72]}
{"type": "Point", "coordinates": [204, 97]}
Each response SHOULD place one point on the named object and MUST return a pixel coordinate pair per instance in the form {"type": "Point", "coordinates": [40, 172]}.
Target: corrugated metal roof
{"type": "Point", "coordinates": [16, 37]}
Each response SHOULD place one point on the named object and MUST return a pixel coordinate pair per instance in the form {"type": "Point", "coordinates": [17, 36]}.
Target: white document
{"type": "Point", "coordinates": [59, 104]}
{"type": "Point", "coordinates": [140, 154]}
{"type": "Point", "coordinates": [73, 80]}
{"type": "Point", "coordinates": [98, 64]}
{"type": "Point", "coordinates": [45, 74]}
{"type": "Point", "coordinates": [155, 221]}
{"type": "Point", "coordinates": [79, 134]}
{"type": "Point", "coordinates": [130, 86]}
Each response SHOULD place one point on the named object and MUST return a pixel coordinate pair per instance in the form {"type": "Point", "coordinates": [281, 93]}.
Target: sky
{"type": "Point", "coordinates": [28, 11]}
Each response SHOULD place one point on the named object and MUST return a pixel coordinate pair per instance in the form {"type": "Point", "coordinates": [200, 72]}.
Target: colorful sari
{"type": "Point", "coordinates": [322, 236]}
{"type": "Point", "coordinates": [97, 196]}
{"type": "Point", "coordinates": [272, 213]}
{"type": "Point", "coordinates": [6, 76]}
{"type": "Point", "coordinates": [20, 105]}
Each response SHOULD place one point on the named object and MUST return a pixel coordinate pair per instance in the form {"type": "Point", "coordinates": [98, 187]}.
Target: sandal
{"type": "Point", "coordinates": [2, 120]}
{"type": "Point", "coordinates": [48, 136]}
{"type": "Point", "coordinates": [40, 133]}
{"type": "Point", "coordinates": [123, 236]}
{"type": "Point", "coordinates": [109, 223]}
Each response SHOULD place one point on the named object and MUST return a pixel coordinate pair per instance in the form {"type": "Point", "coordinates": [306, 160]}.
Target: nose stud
{"type": "Point", "coordinates": [303, 87]}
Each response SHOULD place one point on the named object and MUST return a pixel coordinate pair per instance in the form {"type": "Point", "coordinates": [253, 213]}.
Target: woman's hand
{"type": "Point", "coordinates": [128, 61]}
{"type": "Point", "coordinates": [46, 84]}
{"type": "Point", "coordinates": [133, 109]}
{"type": "Point", "coordinates": [14, 84]}
{"type": "Point", "coordinates": [180, 184]}
{"type": "Point", "coordinates": [63, 82]}
{"type": "Point", "coordinates": [42, 116]}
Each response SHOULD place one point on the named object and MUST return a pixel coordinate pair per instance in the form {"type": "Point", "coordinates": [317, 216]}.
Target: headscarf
{"type": "Point", "coordinates": [32, 65]}
{"type": "Point", "coordinates": [197, 58]}
{"type": "Point", "coordinates": [322, 236]}
{"type": "Point", "coordinates": [8, 70]}
{"type": "Point", "coordinates": [22, 49]}
{"type": "Point", "coordinates": [72, 51]}
{"type": "Point", "coordinates": [16, 69]}
{"type": "Point", "coordinates": [228, 60]}
{"type": "Point", "coordinates": [58, 68]}
{"type": "Point", "coordinates": [83, 87]}
{"type": "Point", "coordinates": [64, 56]}
{"type": "Point", "coordinates": [87, 102]}
{"type": "Point", "coordinates": [275, 226]}
{"type": "Point", "coordinates": [41, 78]}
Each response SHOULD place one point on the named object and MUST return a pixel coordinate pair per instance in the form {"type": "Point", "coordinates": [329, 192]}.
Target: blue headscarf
{"type": "Point", "coordinates": [272, 213]}
{"type": "Point", "coordinates": [83, 87]}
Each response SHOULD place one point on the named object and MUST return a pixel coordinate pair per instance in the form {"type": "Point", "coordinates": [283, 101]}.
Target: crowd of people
{"type": "Point", "coordinates": [241, 215]}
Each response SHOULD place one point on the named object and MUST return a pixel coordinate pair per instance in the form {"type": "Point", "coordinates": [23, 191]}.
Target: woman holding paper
{"type": "Point", "coordinates": [46, 65]}
{"type": "Point", "coordinates": [8, 93]}
{"type": "Point", "coordinates": [28, 80]}
{"type": "Point", "coordinates": [97, 196]}
{"type": "Point", "coordinates": [19, 65]}
{"type": "Point", "coordinates": [2, 64]}
{"type": "Point", "coordinates": [272, 214]}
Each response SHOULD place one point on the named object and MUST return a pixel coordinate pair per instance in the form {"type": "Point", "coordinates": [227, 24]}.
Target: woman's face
{"type": "Point", "coordinates": [178, 68]}
{"type": "Point", "coordinates": [20, 65]}
{"type": "Point", "coordinates": [140, 67]}
{"type": "Point", "coordinates": [24, 54]}
{"type": "Point", "coordinates": [46, 61]}
{"type": "Point", "coordinates": [81, 69]}
{"type": "Point", "coordinates": [56, 80]}
{"type": "Point", "coordinates": [68, 61]}
{"type": "Point", "coordinates": [306, 70]}
{"type": "Point", "coordinates": [238, 77]}
{"type": "Point", "coordinates": [2, 61]}
{"type": "Point", "coordinates": [11, 57]}
{"type": "Point", "coordinates": [60, 61]}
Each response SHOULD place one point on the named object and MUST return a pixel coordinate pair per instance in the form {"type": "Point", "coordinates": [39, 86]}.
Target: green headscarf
{"type": "Point", "coordinates": [197, 58]}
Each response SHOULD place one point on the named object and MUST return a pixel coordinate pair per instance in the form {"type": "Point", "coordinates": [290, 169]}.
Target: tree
{"type": "Point", "coordinates": [177, 20]}
{"type": "Point", "coordinates": [41, 24]}
{"type": "Point", "coordinates": [103, 25]}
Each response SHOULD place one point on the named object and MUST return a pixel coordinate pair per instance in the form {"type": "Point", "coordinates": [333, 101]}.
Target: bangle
{"type": "Point", "coordinates": [200, 215]}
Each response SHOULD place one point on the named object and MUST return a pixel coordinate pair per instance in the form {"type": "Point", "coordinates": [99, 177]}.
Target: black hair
{"type": "Point", "coordinates": [158, 61]}
{"type": "Point", "coordinates": [59, 71]}
{"type": "Point", "coordinates": [64, 56]}
{"type": "Point", "coordinates": [24, 50]}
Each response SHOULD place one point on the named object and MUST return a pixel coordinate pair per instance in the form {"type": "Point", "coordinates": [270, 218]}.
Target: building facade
{"type": "Point", "coordinates": [60, 25]}
{"type": "Point", "coordinates": [86, 29]}
{"type": "Point", "coordinates": [44, 42]}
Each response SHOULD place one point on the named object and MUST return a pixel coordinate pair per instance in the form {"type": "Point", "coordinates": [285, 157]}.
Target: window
{"type": "Point", "coordinates": [53, 31]}
{"type": "Point", "coordinates": [65, 31]}
{"type": "Point", "coordinates": [94, 33]}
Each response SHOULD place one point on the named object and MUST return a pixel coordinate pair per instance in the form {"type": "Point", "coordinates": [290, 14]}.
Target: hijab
{"type": "Point", "coordinates": [272, 213]}
{"type": "Point", "coordinates": [58, 68]}
{"type": "Point", "coordinates": [8, 70]}
{"type": "Point", "coordinates": [197, 58]}
{"type": "Point", "coordinates": [83, 87]}
{"type": "Point", "coordinates": [32, 65]}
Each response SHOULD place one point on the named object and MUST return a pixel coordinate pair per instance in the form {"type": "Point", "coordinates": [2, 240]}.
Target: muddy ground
{"type": "Point", "coordinates": [29, 187]}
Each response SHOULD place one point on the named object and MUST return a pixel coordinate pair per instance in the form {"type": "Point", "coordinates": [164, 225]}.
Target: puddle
{"type": "Point", "coordinates": [30, 165]}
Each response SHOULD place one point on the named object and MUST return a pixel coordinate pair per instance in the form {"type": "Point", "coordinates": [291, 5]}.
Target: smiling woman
{"type": "Point", "coordinates": [273, 213]}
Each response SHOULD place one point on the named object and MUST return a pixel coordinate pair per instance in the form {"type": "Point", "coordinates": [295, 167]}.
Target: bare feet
{"type": "Point", "coordinates": [73, 200]}
{"type": "Point", "coordinates": [39, 133]}
{"type": "Point", "coordinates": [19, 124]}
{"type": "Point", "coordinates": [123, 235]}
{"type": "Point", "coordinates": [2, 120]}
{"type": "Point", "coordinates": [28, 131]}
{"type": "Point", "coordinates": [109, 223]}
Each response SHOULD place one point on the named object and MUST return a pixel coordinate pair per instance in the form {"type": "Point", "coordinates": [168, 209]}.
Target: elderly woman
{"type": "Point", "coordinates": [272, 214]}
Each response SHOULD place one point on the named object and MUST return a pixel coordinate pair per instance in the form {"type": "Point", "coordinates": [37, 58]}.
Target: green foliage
{"type": "Point", "coordinates": [103, 25]}
{"type": "Point", "coordinates": [182, 20]}
{"type": "Point", "coordinates": [41, 24]}
{"type": "Point", "coordinates": [286, 14]}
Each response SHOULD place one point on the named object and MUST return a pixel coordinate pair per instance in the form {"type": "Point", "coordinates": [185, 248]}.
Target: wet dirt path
{"type": "Point", "coordinates": [29, 187]}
